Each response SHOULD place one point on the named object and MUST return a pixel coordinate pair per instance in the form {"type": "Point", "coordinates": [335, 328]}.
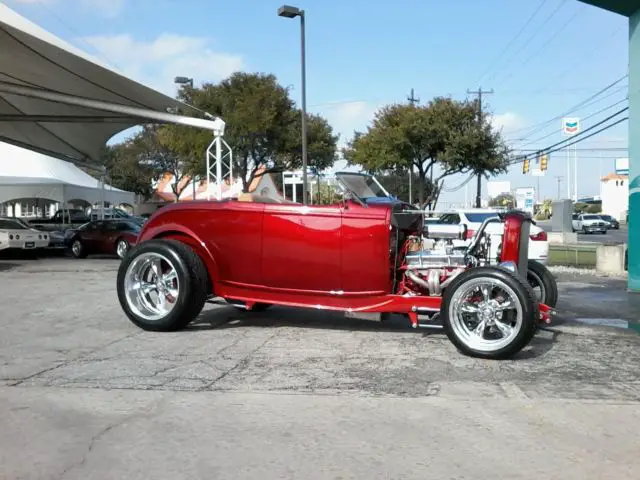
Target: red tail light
{"type": "Point", "coordinates": [539, 237]}
{"type": "Point", "coordinates": [470, 234]}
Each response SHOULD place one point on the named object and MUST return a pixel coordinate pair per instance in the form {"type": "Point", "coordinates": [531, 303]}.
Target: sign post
{"type": "Point", "coordinates": [570, 127]}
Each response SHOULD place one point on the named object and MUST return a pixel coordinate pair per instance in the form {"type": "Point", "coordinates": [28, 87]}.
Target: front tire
{"type": "Point", "coordinates": [539, 277]}
{"type": "Point", "coordinates": [78, 250]}
{"type": "Point", "coordinates": [488, 312]}
{"type": "Point", "coordinates": [162, 285]}
{"type": "Point", "coordinates": [122, 247]}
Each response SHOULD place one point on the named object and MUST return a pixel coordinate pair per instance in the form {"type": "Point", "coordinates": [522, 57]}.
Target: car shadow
{"type": "Point", "coordinates": [225, 317]}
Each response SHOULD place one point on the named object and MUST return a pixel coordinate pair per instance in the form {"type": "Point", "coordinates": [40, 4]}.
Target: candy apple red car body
{"type": "Point", "coordinates": [334, 257]}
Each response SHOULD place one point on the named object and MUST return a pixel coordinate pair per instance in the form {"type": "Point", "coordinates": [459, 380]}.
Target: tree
{"type": "Point", "coordinates": [444, 133]}
{"type": "Point", "coordinates": [262, 127]}
{"type": "Point", "coordinates": [147, 156]}
{"type": "Point", "coordinates": [503, 200]}
{"type": "Point", "coordinates": [397, 184]}
{"type": "Point", "coordinates": [125, 171]}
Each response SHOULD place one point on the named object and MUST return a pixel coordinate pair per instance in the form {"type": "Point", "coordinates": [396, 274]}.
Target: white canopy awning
{"type": "Point", "coordinates": [58, 100]}
{"type": "Point", "coordinates": [28, 174]}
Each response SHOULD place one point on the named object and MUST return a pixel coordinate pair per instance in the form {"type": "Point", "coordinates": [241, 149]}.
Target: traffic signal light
{"type": "Point", "coordinates": [543, 162]}
{"type": "Point", "coordinates": [525, 166]}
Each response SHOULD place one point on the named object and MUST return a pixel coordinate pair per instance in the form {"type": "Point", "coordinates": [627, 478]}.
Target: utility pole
{"type": "Point", "coordinates": [412, 99]}
{"type": "Point", "coordinates": [479, 93]}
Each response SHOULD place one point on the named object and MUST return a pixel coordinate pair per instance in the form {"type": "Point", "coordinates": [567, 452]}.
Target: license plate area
{"type": "Point", "coordinates": [29, 244]}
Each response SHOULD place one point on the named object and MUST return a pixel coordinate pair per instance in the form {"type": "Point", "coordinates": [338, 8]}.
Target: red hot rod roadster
{"type": "Point", "coordinates": [363, 254]}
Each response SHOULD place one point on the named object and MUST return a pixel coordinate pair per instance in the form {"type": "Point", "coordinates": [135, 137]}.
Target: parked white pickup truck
{"type": "Point", "coordinates": [588, 223]}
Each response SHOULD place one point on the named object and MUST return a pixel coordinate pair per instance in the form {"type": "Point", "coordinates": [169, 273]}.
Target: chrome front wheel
{"type": "Point", "coordinates": [489, 312]}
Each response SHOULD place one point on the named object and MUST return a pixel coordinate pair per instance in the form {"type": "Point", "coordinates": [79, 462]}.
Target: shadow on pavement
{"type": "Point", "coordinates": [229, 317]}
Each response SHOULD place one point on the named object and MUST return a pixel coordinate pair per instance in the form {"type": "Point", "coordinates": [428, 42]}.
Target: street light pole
{"type": "Point", "coordinates": [288, 11]}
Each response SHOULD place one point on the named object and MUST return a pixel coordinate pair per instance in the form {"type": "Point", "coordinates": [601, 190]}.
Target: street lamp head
{"type": "Point", "coordinates": [182, 80]}
{"type": "Point", "coordinates": [288, 11]}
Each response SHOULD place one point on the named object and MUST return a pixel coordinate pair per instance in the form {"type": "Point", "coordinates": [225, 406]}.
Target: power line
{"type": "Point", "coordinates": [572, 109]}
{"type": "Point", "coordinates": [583, 119]}
{"type": "Point", "coordinates": [581, 59]}
{"type": "Point", "coordinates": [590, 128]}
{"type": "Point", "coordinates": [549, 150]}
{"type": "Point", "coordinates": [512, 41]}
{"type": "Point", "coordinates": [571, 19]}
{"type": "Point", "coordinates": [560, 5]}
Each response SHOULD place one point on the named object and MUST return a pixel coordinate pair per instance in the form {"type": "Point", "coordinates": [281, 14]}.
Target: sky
{"type": "Point", "coordinates": [541, 58]}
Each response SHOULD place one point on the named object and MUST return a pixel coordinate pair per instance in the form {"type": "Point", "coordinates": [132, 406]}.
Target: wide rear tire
{"type": "Point", "coordinates": [540, 277]}
{"type": "Point", "coordinates": [162, 285]}
{"type": "Point", "coordinates": [489, 312]}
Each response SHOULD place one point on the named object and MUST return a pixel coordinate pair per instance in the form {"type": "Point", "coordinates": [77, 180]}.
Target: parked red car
{"type": "Point", "coordinates": [366, 253]}
{"type": "Point", "coordinates": [107, 237]}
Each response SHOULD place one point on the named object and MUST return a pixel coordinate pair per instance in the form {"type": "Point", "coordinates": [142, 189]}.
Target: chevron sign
{"type": "Point", "coordinates": [570, 126]}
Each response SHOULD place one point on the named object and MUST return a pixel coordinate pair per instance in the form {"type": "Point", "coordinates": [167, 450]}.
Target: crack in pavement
{"type": "Point", "coordinates": [243, 362]}
{"type": "Point", "coordinates": [78, 358]}
{"type": "Point", "coordinates": [153, 407]}
{"type": "Point", "coordinates": [92, 443]}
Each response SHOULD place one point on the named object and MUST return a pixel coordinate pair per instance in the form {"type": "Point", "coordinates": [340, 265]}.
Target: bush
{"type": "Point", "coordinates": [580, 207]}
{"type": "Point", "coordinates": [594, 209]}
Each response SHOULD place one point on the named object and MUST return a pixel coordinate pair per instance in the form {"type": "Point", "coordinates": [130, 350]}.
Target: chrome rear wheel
{"type": "Point", "coordinates": [162, 285]}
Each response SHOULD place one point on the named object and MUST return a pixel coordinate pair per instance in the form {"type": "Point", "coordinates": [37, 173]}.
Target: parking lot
{"type": "Point", "coordinates": [309, 393]}
{"type": "Point", "coordinates": [611, 237]}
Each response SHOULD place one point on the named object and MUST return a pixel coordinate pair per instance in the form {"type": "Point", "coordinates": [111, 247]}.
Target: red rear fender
{"type": "Point", "coordinates": [184, 235]}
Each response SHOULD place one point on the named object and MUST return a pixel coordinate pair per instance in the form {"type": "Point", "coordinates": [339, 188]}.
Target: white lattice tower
{"type": "Point", "coordinates": [219, 155]}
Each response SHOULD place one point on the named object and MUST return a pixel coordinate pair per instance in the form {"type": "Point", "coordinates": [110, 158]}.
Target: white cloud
{"type": "Point", "coordinates": [347, 117]}
{"type": "Point", "coordinates": [507, 122]}
{"type": "Point", "coordinates": [155, 63]}
{"type": "Point", "coordinates": [105, 8]}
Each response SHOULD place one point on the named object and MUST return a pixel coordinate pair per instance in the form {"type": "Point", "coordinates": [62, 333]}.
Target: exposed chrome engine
{"type": "Point", "coordinates": [433, 260]}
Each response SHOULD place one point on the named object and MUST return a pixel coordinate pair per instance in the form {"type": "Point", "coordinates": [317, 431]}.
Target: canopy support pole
{"type": "Point", "coordinates": [216, 124]}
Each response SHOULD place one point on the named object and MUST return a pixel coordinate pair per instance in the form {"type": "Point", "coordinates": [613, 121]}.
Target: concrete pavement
{"type": "Point", "coordinates": [294, 394]}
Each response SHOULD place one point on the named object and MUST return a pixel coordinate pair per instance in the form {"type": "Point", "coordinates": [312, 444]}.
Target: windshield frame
{"type": "Point", "coordinates": [344, 179]}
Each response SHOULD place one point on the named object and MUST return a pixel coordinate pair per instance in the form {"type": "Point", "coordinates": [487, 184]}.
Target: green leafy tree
{"type": "Point", "coordinates": [444, 133]}
{"type": "Point", "coordinates": [262, 128]}
{"type": "Point", "coordinates": [398, 184]}
{"type": "Point", "coordinates": [124, 170]}
{"type": "Point", "coordinates": [503, 200]}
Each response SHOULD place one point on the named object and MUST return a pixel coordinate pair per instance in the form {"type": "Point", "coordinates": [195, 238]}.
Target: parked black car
{"type": "Point", "coordinates": [612, 221]}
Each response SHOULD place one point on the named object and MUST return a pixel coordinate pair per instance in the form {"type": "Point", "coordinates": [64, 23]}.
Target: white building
{"type": "Point", "coordinates": [615, 195]}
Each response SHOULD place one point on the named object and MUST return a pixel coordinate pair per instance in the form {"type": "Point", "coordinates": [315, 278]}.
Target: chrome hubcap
{"type": "Point", "coordinates": [485, 314]}
{"type": "Point", "coordinates": [76, 247]}
{"type": "Point", "coordinates": [151, 286]}
{"type": "Point", "coordinates": [121, 249]}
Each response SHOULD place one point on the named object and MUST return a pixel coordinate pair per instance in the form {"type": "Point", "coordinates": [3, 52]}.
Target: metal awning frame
{"type": "Point", "coordinates": [218, 150]}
